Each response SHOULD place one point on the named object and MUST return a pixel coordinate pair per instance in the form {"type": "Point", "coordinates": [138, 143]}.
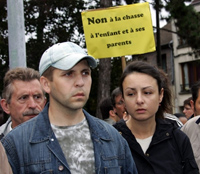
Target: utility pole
{"type": "Point", "coordinates": [104, 73]}
{"type": "Point", "coordinates": [16, 33]}
{"type": "Point", "coordinates": [158, 47]}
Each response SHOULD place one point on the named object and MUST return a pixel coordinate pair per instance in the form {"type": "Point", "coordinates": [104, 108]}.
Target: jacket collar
{"type": "Point", "coordinates": [163, 127]}
{"type": "Point", "coordinates": [42, 130]}
{"type": "Point", "coordinates": [97, 127]}
{"type": "Point", "coordinates": [198, 121]}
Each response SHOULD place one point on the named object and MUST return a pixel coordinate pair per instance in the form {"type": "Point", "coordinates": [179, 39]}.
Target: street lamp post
{"type": "Point", "coordinates": [16, 34]}
{"type": "Point", "coordinates": [158, 48]}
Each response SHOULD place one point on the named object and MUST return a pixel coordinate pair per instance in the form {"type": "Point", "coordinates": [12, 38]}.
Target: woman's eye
{"type": "Point", "coordinates": [130, 94]}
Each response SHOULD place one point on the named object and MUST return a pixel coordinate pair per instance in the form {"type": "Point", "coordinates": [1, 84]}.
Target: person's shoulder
{"type": "Point", "coordinates": [179, 132]}
{"type": "Point", "coordinates": [119, 125]}
{"type": "Point", "coordinates": [103, 123]}
{"type": "Point", "coordinates": [6, 123]}
{"type": "Point", "coordinates": [4, 127]}
{"type": "Point", "coordinates": [180, 136]}
{"type": "Point", "coordinates": [191, 124]}
{"type": "Point", "coordinates": [23, 128]}
{"type": "Point", "coordinates": [191, 121]}
{"type": "Point", "coordinates": [173, 119]}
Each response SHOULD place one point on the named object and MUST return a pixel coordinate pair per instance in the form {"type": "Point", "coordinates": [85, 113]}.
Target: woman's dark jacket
{"type": "Point", "coordinates": [169, 152]}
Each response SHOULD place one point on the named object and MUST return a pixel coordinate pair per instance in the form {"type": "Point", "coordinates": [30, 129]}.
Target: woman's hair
{"type": "Point", "coordinates": [161, 79]}
{"type": "Point", "coordinates": [167, 98]}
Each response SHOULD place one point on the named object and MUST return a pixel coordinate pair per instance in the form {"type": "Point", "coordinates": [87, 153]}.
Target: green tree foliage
{"type": "Point", "coordinates": [187, 21]}
{"type": "Point", "coordinates": [51, 21]}
{"type": "Point", "coordinates": [3, 41]}
{"type": "Point", "coordinates": [118, 2]}
{"type": "Point", "coordinates": [48, 22]}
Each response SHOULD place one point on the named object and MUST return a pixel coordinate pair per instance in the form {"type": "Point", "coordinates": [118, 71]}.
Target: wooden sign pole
{"type": "Point", "coordinates": [123, 62]}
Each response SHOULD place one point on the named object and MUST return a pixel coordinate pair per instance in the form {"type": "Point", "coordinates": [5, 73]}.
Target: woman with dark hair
{"type": "Point", "coordinates": [157, 146]}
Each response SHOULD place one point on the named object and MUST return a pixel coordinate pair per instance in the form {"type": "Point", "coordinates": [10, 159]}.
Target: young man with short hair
{"type": "Point", "coordinates": [107, 112]}
{"type": "Point", "coordinates": [187, 108]}
{"type": "Point", "coordinates": [64, 138]}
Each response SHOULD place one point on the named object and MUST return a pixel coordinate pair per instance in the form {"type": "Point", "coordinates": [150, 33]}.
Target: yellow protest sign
{"type": "Point", "coordinates": [118, 31]}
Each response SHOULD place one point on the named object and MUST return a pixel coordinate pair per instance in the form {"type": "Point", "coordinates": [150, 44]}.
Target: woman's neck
{"type": "Point", "coordinates": [142, 129]}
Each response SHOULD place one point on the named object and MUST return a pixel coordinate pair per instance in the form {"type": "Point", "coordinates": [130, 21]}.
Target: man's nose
{"type": "Point", "coordinates": [79, 81]}
{"type": "Point", "coordinates": [31, 103]}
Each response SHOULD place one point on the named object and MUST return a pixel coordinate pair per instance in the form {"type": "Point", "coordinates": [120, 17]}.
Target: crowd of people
{"type": "Point", "coordinates": [137, 134]}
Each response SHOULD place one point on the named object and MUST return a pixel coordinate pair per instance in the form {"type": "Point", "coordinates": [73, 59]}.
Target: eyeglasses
{"type": "Point", "coordinates": [121, 102]}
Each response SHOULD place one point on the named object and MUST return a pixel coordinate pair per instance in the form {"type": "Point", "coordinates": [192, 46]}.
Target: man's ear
{"type": "Point", "coordinates": [192, 104]}
{"type": "Point", "coordinates": [112, 113]}
{"type": "Point", "coordinates": [5, 106]}
{"type": "Point", "coordinates": [45, 84]}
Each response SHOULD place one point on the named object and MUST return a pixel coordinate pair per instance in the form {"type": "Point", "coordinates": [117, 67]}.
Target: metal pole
{"type": "Point", "coordinates": [16, 34]}
{"type": "Point", "coordinates": [159, 60]}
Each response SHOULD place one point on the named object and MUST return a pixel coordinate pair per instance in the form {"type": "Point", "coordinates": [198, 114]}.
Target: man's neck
{"type": "Point", "coordinates": [65, 117]}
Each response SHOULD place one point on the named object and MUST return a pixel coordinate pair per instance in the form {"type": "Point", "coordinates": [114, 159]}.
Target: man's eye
{"type": "Point", "coordinates": [148, 93]}
{"type": "Point", "coordinates": [68, 74]}
{"type": "Point", "coordinates": [23, 98]}
{"type": "Point", "coordinates": [37, 97]}
{"type": "Point", "coordinates": [86, 73]}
